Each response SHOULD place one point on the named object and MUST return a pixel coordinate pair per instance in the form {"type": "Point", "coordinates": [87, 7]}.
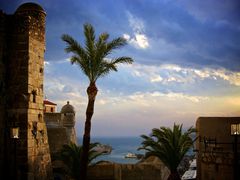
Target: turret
{"type": "Point", "coordinates": [68, 121]}
{"type": "Point", "coordinates": [68, 115]}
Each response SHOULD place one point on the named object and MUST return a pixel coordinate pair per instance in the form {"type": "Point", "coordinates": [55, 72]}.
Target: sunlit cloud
{"type": "Point", "coordinates": [170, 96]}
{"type": "Point", "coordinates": [185, 75]}
{"type": "Point", "coordinates": [138, 41]}
{"type": "Point", "coordinates": [46, 63]}
{"type": "Point", "coordinates": [139, 38]}
{"type": "Point", "coordinates": [159, 103]}
{"type": "Point", "coordinates": [157, 78]}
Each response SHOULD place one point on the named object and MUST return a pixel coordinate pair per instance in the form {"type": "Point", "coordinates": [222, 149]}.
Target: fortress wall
{"type": "Point", "coordinates": [22, 58]}
{"type": "Point", "coordinates": [215, 156]}
{"type": "Point", "coordinates": [141, 171]}
{"type": "Point", "coordinates": [57, 138]}
{"type": "Point", "coordinates": [52, 118]}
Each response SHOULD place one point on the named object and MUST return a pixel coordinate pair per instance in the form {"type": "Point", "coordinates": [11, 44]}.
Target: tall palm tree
{"type": "Point", "coordinates": [169, 145]}
{"type": "Point", "coordinates": [70, 154]}
{"type": "Point", "coordinates": [92, 59]}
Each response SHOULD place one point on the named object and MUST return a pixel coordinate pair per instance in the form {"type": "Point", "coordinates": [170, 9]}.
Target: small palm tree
{"type": "Point", "coordinates": [91, 59]}
{"type": "Point", "coordinates": [70, 154]}
{"type": "Point", "coordinates": [169, 145]}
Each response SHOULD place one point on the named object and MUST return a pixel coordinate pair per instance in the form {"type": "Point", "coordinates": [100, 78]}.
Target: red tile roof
{"type": "Point", "coordinates": [48, 102]}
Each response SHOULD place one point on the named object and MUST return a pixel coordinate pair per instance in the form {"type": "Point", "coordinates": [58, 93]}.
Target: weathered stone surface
{"type": "Point", "coordinates": [141, 171]}
{"type": "Point", "coordinates": [215, 155]}
{"type": "Point", "coordinates": [22, 49]}
{"type": "Point", "coordinates": [60, 126]}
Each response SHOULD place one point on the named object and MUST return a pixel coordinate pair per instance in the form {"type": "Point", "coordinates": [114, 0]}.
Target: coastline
{"type": "Point", "coordinates": [120, 147]}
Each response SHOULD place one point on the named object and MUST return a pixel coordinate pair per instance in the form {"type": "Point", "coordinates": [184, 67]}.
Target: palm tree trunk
{"type": "Point", "coordinates": [92, 92]}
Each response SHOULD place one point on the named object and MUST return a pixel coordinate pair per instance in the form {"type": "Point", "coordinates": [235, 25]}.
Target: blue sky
{"type": "Point", "coordinates": [186, 61]}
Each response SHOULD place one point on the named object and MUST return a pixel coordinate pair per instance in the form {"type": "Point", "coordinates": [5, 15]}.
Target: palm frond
{"type": "Point", "coordinates": [169, 145]}
{"type": "Point", "coordinates": [73, 46]}
{"type": "Point", "coordinates": [92, 57]}
{"type": "Point", "coordinates": [116, 43]}
{"type": "Point", "coordinates": [123, 59]}
{"type": "Point", "coordinates": [70, 154]}
{"type": "Point", "coordinates": [89, 33]}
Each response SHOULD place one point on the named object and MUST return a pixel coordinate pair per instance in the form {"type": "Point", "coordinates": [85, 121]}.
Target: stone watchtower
{"type": "Point", "coordinates": [22, 48]}
{"type": "Point", "coordinates": [68, 121]}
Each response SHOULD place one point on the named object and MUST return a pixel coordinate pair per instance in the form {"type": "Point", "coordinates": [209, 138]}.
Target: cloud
{"type": "Point", "coordinates": [186, 33]}
{"type": "Point", "coordinates": [170, 96]}
{"type": "Point", "coordinates": [170, 72]}
{"type": "Point", "coordinates": [214, 9]}
{"type": "Point", "coordinates": [154, 109]}
{"type": "Point", "coordinates": [140, 94]}
{"type": "Point", "coordinates": [46, 63]}
{"type": "Point", "coordinates": [156, 78]}
{"type": "Point", "coordinates": [139, 39]}
{"type": "Point", "coordinates": [177, 36]}
{"type": "Point", "coordinates": [135, 23]}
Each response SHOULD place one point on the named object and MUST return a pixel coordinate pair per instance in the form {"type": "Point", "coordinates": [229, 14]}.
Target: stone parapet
{"type": "Point", "coordinates": [140, 171]}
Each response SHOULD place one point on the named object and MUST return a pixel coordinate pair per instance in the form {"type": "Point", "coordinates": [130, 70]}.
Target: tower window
{"type": "Point", "coordinates": [40, 117]}
{"type": "Point", "coordinates": [34, 94]}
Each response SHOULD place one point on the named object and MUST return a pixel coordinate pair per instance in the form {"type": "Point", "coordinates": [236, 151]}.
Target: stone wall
{"type": "Point", "coordinates": [52, 118]}
{"type": "Point", "coordinates": [139, 171]}
{"type": "Point", "coordinates": [57, 138]}
{"type": "Point", "coordinates": [215, 156]}
{"type": "Point", "coordinates": [22, 58]}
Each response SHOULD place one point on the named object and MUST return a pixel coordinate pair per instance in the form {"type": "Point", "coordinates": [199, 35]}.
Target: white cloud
{"type": "Point", "coordinates": [172, 67]}
{"type": "Point", "coordinates": [139, 38]}
{"type": "Point", "coordinates": [202, 73]}
{"type": "Point", "coordinates": [135, 23]}
{"type": "Point", "coordinates": [136, 73]}
{"type": "Point", "coordinates": [126, 36]}
{"type": "Point", "coordinates": [173, 73]}
{"type": "Point", "coordinates": [169, 96]}
{"type": "Point", "coordinates": [157, 78]}
{"type": "Point", "coordinates": [138, 41]}
{"type": "Point", "coordinates": [46, 63]}
{"type": "Point", "coordinates": [147, 107]}
{"type": "Point", "coordinates": [195, 99]}
{"type": "Point", "coordinates": [172, 79]}
{"type": "Point", "coordinates": [232, 77]}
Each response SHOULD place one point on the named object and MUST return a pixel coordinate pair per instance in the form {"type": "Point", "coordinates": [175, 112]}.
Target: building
{"type": "Point", "coordinates": [218, 148]}
{"type": "Point", "coordinates": [49, 106]}
{"type": "Point", "coordinates": [24, 150]}
{"type": "Point", "coordinates": [60, 125]}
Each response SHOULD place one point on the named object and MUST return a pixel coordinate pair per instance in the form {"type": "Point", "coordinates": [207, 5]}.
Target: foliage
{"type": "Point", "coordinates": [169, 145]}
{"type": "Point", "coordinates": [93, 59]}
{"type": "Point", "coordinates": [70, 154]}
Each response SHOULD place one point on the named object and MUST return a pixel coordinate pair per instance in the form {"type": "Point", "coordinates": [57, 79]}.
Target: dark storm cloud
{"type": "Point", "coordinates": [187, 33]}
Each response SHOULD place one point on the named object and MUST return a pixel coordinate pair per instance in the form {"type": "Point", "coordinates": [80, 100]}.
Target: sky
{"type": "Point", "coordinates": [186, 61]}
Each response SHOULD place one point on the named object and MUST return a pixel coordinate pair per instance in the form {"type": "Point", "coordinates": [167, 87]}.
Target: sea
{"type": "Point", "coordinates": [121, 146]}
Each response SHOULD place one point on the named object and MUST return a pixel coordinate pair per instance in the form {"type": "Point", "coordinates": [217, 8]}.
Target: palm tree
{"type": "Point", "coordinates": [169, 145]}
{"type": "Point", "coordinates": [92, 60]}
{"type": "Point", "coordinates": [70, 154]}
